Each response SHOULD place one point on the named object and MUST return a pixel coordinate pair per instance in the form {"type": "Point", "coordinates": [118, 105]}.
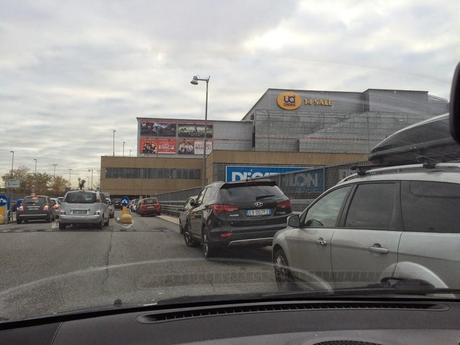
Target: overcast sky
{"type": "Point", "coordinates": [71, 71]}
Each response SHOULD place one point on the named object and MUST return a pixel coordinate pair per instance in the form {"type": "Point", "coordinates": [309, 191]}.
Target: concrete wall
{"type": "Point", "coordinates": [232, 135]}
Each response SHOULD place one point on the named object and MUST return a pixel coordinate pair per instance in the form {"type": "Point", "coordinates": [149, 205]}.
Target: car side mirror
{"type": "Point", "coordinates": [294, 221]}
{"type": "Point", "coordinates": [454, 105]}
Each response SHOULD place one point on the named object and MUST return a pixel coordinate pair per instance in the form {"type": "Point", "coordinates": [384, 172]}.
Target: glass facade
{"type": "Point", "coordinates": [153, 173]}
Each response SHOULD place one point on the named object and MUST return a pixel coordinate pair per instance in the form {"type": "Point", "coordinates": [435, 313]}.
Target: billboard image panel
{"type": "Point", "coordinates": [157, 128]}
{"type": "Point", "coordinates": [194, 130]}
{"type": "Point", "coordinates": [157, 145]}
{"type": "Point", "coordinates": [193, 147]}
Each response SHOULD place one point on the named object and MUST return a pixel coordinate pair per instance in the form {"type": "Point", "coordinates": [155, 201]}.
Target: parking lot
{"type": "Point", "coordinates": [46, 269]}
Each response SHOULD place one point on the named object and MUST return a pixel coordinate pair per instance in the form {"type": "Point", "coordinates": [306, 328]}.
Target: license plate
{"type": "Point", "coordinates": [79, 212]}
{"type": "Point", "coordinates": [33, 208]}
{"type": "Point", "coordinates": [261, 212]}
{"type": "Point", "coordinates": [150, 206]}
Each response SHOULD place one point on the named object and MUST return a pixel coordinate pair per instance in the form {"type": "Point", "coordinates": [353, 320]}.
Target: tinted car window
{"type": "Point", "coordinates": [80, 198]}
{"type": "Point", "coordinates": [150, 201]}
{"type": "Point", "coordinates": [430, 206]}
{"type": "Point", "coordinates": [34, 200]}
{"type": "Point", "coordinates": [372, 206]}
{"type": "Point", "coordinates": [324, 212]}
{"type": "Point", "coordinates": [244, 193]}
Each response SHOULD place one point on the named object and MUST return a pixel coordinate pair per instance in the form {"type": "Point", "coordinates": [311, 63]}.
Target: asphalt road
{"type": "Point", "coordinates": [44, 270]}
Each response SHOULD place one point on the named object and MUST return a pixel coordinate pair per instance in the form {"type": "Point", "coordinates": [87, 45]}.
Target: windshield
{"type": "Point", "coordinates": [313, 136]}
{"type": "Point", "coordinates": [251, 193]}
{"type": "Point", "coordinates": [34, 200]}
{"type": "Point", "coordinates": [80, 198]}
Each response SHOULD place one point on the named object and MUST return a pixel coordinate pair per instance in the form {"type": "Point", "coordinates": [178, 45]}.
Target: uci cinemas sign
{"type": "Point", "coordinates": [292, 101]}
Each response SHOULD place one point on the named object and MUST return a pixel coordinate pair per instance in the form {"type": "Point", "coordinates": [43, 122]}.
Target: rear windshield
{"type": "Point", "coordinates": [251, 193]}
{"type": "Point", "coordinates": [150, 201]}
{"type": "Point", "coordinates": [28, 200]}
{"type": "Point", "coordinates": [80, 198]}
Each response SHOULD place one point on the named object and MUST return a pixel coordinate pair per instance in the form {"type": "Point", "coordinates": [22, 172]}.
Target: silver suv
{"type": "Point", "coordinates": [397, 223]}
{"type": "Point", "coordinates": [84, 207]}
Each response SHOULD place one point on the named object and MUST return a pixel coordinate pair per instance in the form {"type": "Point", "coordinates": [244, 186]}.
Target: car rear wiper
{"type": "Point", "coordinates": [264, 196]}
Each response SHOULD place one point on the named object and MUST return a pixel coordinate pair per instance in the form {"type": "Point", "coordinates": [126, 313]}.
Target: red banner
{"type": "Point", "coordinates": [157, 145]}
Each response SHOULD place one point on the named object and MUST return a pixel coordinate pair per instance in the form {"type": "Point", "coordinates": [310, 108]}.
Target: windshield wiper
{"type": "Point", "coordinates": [264, 196]}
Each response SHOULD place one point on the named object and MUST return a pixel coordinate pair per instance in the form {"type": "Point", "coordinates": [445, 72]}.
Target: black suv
{"type": "Point", "coordinates": [236, 214]}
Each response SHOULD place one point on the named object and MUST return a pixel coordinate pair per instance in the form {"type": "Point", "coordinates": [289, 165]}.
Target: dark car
{"type": "Point", "coordinates": [185, 212]}
{"type": "Point", "coordinates": [117, 203]}
{"type": "Point", "coordinates": [149, 207]}
{"type": "Point", "coordinates": [236, 214]}
{"type": "Point", "coordinates": [36, 207]}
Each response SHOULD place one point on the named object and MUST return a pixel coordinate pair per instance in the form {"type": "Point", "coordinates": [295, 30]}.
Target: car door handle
{"type": "Point", "coordinates": [321, 241]}
{"type": "Point", "coordinates": [377, 248]}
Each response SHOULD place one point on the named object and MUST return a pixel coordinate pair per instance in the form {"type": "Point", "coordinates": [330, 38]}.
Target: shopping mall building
{"type": "Point", "coordinates": [285, 130]}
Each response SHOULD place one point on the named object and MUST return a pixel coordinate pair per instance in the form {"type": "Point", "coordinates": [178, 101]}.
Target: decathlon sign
{"type": "Point", "coordinates": [249, 172]}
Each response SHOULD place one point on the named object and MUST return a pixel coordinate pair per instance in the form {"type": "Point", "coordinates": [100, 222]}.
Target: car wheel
{"type": "Point", "coordinates": [100, 225]}
{"type": "Point", "coordinates": [208, 249]}
{"type": "Point", "coordinates": [19, 221]}
{"type": "Point", "coordinates": [283, 275]}
{"type": "Point", "coordinates": [48, 219]}
{"type": "Point", "coordinates": [107, 222]}
{"type": "Point", "coordinates": [188, 238]}
{"type": "Point", "coordinates": [61, 226]}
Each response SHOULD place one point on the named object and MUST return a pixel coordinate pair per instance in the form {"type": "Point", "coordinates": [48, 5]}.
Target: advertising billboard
{"type": "Point", "coordinates": [157, 128]}
{"type": "Point", "coordinates": [193, 130]}
{"type": "Point", "coordinates": [157, 146]}
{"type": "Point", "coordinates": [248, 172]}
{"type": "Point", "coordinates": [193, 147]}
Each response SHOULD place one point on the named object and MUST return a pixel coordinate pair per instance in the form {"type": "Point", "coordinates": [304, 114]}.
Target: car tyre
{"type": "Point", "coordinates": [209, 250]}
{"type": "Point", "coordinates": [61, 226]}
{"type": "Point", "coordinates": [283, 275]}
{"type": "Point", "coordinates": [100, 225]}
{"type": "Point", "coordinates": [188, 238]}
{"type": "Point", "coordinates": [19, 221]}
{"type": "Point", "coordinates": [49, 219]}
{"type": "Point", "coordinates": [107, 222]}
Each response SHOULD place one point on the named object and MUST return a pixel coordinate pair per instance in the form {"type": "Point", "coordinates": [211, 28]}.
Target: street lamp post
{"type": "Point", "coordinates": [12, 163]}
{"type": "Point", "coordinates": [113, 141]}
{"type": "Point", "coordinates": [35, 169]}
{"type": "Point", "coordinates": [54, 170]}
{"type": "Point", "coordinates": [124, 142]}
{"type": "Point", "coordinates": [195, 81]}
{"type": "Point", "coordinates": [91, 171]}
{"type": "Point", "coordinates": [70, 177]}
{"type": "Point", "coordinates": [130, 152]}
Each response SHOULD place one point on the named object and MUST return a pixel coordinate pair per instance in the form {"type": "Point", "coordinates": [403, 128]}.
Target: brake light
{"type": "Point", "coordinates": [284, 204]}
{"type": "Point", "coordinates": [223, 208]}
{"type": "Point", "coordinates": [226, 234]}
{"type": "Point", "coordinates": [45, 208]}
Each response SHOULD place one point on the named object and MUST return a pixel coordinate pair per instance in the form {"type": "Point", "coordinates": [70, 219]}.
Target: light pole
{"type": "Point", "coordinates": [70, 177]}
{"type": "Point", "coordinates": [12, 163]}
{"type": "Point", "coordinates": [113, 140]}
{"type": "Point", "coordinates": [124, 142]}
{"type": "Point", "coordinates": [91, 171]}
{"type": "Point", "coordinates": [195, 81]}
{"type": "Point", "coordinates": [54, 170]}
{"type": "Point", "coordinates": [35, 170]}
{"type": "Point", "coordinates": [130, 152]}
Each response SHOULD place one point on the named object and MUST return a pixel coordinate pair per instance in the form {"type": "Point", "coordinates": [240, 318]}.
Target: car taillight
{"type": "Point", "coordinates": [226, 234]}
{"type": "Point", "coordinates": [284, 204]}
{"type": "Point", "coordinates": [223, 208]}
{"type": "Point", "coordinates": [45, 208]}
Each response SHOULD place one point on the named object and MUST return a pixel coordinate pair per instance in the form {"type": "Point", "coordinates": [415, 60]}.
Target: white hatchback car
{"type": "Point", "coordinates": [388, 223]}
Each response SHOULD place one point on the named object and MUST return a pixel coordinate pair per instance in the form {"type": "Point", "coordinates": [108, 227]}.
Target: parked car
{"type": "Point", "coordinates": [84, 207]}
{"type": "Point", "coordinates": [111, 207]}
{"type": "Point", "coordinates": [388, 223]}
{"type": "Point", "coordinates": [133, 205]}
{"type": "Point", "coordinates": [236, 214]}
{"type": "Point", "coordinates": [185, 212]}
{"type": "Point", "coordinates": [35, 207]}
{"type": "Point", "coordinates": [149, 207]}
